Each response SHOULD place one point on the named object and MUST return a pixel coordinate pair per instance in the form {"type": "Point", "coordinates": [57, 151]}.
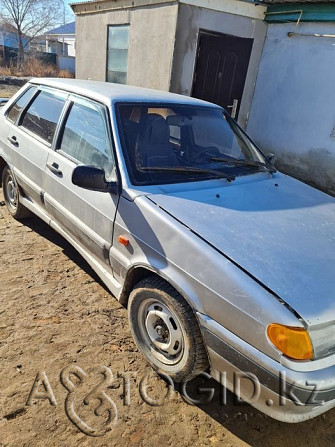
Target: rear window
{"type": "Point", "coordinates": [42, 116]}
{"type": "Point", "coordinates": [17, 107]}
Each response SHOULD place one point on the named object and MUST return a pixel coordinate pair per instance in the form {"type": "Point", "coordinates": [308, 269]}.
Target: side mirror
{"type": "Point", "coordinates": [92, 178]}
{"type": "Point", "coordinates": [271, 158]}
{"type": "Point", "coordinates": [3, 101]}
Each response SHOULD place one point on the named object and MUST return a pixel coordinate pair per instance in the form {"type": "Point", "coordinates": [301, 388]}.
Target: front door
{"type": "Point", "coordinates": [87, 215]}
{"type": "Point", "coordinates": [221, 69]}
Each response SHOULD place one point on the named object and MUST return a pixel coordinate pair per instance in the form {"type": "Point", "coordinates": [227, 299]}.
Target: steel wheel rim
{"type": "Point", "coordinates": [11, 192]}
{"type": "Point", "coordinates": [162, 331]}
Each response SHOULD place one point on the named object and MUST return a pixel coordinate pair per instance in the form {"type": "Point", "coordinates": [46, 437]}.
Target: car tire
{"type": "Point", "coordinates": [11, 194]}
{"type": "Point", "coordinates": [166, 330]}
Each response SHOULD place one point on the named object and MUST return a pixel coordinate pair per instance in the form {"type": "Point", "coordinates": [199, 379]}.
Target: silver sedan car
{"type": "Point", "coordinates": [222, 261]}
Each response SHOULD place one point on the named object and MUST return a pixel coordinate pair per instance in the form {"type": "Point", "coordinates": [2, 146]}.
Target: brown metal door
{"type": "Point", "coordinates": [221, 69]}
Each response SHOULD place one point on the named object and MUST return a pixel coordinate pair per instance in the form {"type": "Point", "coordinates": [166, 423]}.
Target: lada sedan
{"type": "Point", "coordinates": [222, 261]}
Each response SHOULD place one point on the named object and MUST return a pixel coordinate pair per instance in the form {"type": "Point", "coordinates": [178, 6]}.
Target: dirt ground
{"type": "Point", "coordinates": [55, 315]}
{"type": "Point", "coordinates": [6, 91]}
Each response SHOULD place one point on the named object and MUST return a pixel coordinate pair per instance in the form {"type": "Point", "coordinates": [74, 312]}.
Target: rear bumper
{"type": "Point", "coordinates": [281, 393]}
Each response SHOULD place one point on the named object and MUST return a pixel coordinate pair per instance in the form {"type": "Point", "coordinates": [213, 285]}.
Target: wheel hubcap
{"type": "Point", "coordinates": [11, 191]}
{"type": "Point", "coordinates": [163, 332]}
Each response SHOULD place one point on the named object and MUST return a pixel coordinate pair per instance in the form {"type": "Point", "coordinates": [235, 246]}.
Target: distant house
{"type": "Point", "coordinates": [38, 44]}
{"type": "Point", "coordinates": [9, 44]}
{"type": "Point", "coordinates": [62, 42]}
{"type": "Point", "coordinates": [9, 38]}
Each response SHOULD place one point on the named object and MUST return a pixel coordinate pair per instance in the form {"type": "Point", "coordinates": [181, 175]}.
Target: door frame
{"type": "Point", "coordinates": [201, 32]}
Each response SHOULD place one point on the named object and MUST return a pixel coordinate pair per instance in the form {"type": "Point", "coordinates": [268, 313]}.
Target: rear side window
{"type": "Point", "coordinates": [42, 116]}
{"type": "Point", "coordinates": [85, 136]}
{"type": "Point", "coordinates": [16, 108]}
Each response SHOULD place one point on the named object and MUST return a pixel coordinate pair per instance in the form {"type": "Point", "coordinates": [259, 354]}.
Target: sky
{"type": "Point", "coordinates": [70, 15]}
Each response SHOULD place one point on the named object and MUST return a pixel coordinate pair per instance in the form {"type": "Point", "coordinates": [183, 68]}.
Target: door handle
{"type": "Point", "coordinates": [13, 140]}
{"type": "Point", "coordinates": [54, 168]}
{"type": "Point", "coordinates": [233, 108]}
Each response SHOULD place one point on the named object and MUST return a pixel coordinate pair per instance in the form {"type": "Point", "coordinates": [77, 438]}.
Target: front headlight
{"type": "Point", "coordinates": [294, 342]}
{"type": "Point", "coordinates": [300, 344]}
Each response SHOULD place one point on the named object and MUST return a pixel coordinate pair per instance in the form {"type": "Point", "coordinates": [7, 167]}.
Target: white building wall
{"type": "Point", "coordinates": [68, 43]}
{"type": "Point", "coordinates": [71, 45]}
{"type": "Point", "coordinates": [293, 112]}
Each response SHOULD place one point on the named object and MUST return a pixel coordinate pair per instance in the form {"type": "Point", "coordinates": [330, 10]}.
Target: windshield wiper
{"type": "Point", "coordinates": [255, 164]}
{"type": "Point", "coordinates": [186, 170]}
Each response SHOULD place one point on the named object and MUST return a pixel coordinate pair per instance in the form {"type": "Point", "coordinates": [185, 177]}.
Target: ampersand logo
{"type": "Point", "coordinates": [102, 405]}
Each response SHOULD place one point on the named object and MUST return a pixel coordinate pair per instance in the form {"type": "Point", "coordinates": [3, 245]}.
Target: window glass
{"type": "Point", "coordinates": [181, 143]}
{"type": "Point", "coordinates": [117, 53]}
{"type": "Point", "coordinates": [16, 108]}
{"type": "Point", "coordinates": [213, 131]}
{"type": "Point", "coordinates": [85, 137]}
{"type": "Point", "coordinates": [42, 116]}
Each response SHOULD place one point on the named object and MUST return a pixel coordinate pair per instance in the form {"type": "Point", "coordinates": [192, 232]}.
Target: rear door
{"type": "Point", "coordinates": [84, 138]}
{"type": "Point", "coordinates": [32, 123]}
{"type": "Point", "coordinates": [221, 69]}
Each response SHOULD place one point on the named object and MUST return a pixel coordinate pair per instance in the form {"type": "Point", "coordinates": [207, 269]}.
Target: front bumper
{"type": "Point", "coordinates": [276, 390]}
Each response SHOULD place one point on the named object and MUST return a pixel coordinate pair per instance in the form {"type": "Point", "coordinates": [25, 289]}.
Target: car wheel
{"type": "Point", "coordinates": [166, 330]}
{"type": "Point", "coordinates": [12, 195]}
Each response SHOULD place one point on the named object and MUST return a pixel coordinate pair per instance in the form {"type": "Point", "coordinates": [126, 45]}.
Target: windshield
{"type": "Point", "coordinates": [179, 143]}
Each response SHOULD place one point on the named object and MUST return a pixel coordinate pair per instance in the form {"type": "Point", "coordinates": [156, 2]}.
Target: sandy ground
{"type": "Point", "coordinates": [55, 314]}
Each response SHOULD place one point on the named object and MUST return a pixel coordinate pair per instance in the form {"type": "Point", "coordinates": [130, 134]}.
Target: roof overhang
{"type": "Point", "coordinates": [250, 9]}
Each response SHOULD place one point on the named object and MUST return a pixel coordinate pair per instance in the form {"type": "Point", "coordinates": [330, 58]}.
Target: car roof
{"type": "Point", "coordinates": [109, 93]}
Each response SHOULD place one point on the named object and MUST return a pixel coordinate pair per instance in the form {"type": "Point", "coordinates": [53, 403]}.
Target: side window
{"type": "Point", "coordinates": [43, 114]}
{"type": "Point", "coordinates": [16, 108]}
{"type": "Point", "coordinates": [85, 137]}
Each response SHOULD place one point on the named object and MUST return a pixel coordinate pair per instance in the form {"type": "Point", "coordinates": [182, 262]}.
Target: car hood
{"type": "Point", "coordinates": [279, 230]}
